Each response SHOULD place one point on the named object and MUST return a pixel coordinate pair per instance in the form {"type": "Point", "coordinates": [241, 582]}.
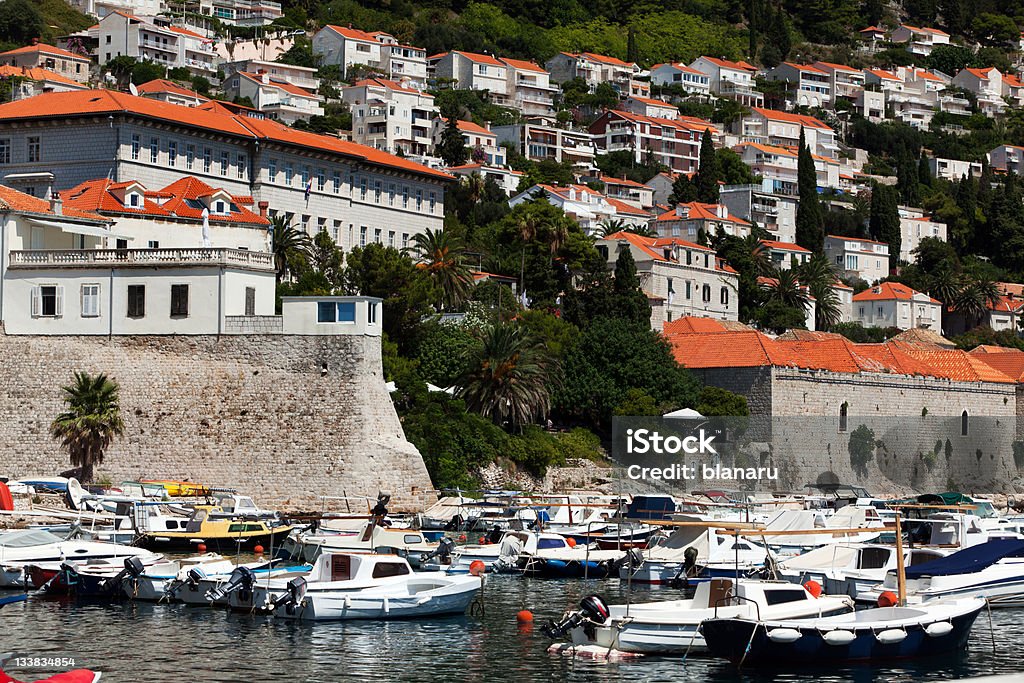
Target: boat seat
{"type": "Point", "coordinates": [718, 590]}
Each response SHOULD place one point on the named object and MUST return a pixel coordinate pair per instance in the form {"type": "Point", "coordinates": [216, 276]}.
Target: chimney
{"type": "Point", "coordinates": [263, 208]}
{"type": "Point", "coordinates": [265, 78]}
{"type": "Point", "coordinates": [56, 205]}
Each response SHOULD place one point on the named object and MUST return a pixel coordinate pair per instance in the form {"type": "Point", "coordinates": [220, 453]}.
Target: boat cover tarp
{"type": "Point", "coordinates": [969, 560]}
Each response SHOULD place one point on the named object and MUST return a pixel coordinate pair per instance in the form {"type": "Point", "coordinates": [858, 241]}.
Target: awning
{"type": "Point", "coordinates": [78, 229]}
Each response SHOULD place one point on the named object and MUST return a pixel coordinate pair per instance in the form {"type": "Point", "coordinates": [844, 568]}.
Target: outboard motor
{"type": "Point", "coordinates": [241, 580]}
{"type": "Point", "coordinates": [443, 552]}
{"type": "Point", "coordinates": [494, 535]}
{"type": "Point", "coordinates": [380, 510]}
{"type": "Point", "coordinates": [194, 576]}
{"type": "Point", "coordinates": [634, 559]}
{"type": "Point", "coordinates": [293, 597]}
{"type": "Point", "coordinates": [455, 523]}
{"type": "Point", "coordinates": [593, 609]}
{"type": "Point", "coordinates": [682, 579]}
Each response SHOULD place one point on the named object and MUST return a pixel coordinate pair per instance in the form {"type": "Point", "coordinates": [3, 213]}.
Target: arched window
{"type": "Point", "coordinates": [725, 296]}
{"type": "Point", "coordinates": [843, 416]}
{"type": "Point", "coordinates": [706, 293]}
{"type": "Point", "coordinates": [964, 423]}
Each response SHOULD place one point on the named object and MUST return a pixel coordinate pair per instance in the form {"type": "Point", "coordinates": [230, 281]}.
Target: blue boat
{"type": "Point", "coordinates": [883, 633]}
{"type": "Point", "coordinates": [11, 599]}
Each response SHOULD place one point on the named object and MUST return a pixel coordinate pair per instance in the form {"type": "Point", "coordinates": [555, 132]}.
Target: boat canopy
{"type": "Point", "coordinates": [26, 538]}
{"type": "Point", "coordinates": [969, 560]}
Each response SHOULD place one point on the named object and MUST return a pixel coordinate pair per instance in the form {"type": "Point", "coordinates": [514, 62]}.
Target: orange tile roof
{"type": "Point", "coordinates": [804, 67]}
{"type": "Point", "coordinates": [924, 30]}
{"type": "Point", "coordinates": [653, 103]}
{"type": "Point", "coordinates": [738, 66]}
{"type": "Point", "coordinates": [389, 84]}
{"type": "Point", "coordinates": [623, 207]}
{"type": "Point", "coordinates": [925, 75]}
{"type": "Point", "coordinates": [478, 58]}
{"type": "Point", "coordinates": [883, 74]}
{"type": "Point", "coordinates": [162, 85]}
{"type": "Point", "coordinates": [470, 127]}
{"type": "Point", "coordinates": [45, 49]}
{"type": "Point", "coordinates": [1006, 304]}
{"type": "Point", "coordinates": [185, 32]}
{"type": "Point", "coordinates": [983, 74]}
{"type": "Point", "coordinates": [524, 65]}
{"type": "Point", "coordinates": [37, 74]}
{"type": "Point", "coordinates": [211, 116]}
{"type": "Point", "coordinates": [1008, 362]}
{"type": "Point", "coordinates": [872, 28]}
{"type": "Point", "coordinates": [680, 67]}
{"type": "Point", "coordinates": [1012, 81]}
{"type": "Point", "coordinates": [888, 291]}
{"type": "Point", "coordinates": [605, 59]}
{"type": "Point", "coordinates": [774, 115]}
{"type": "Point", "coordinates": [838, 67]}
{"type": "Point", "coordinates": [279, 84]}
{"type": "Point", "coordinates": [768, 149]}
{"type": "Point", "coordinates": [12, 200]}
{"type": "Point", "coordinates": [354, 33]}
{"type": "Point", "coordinates": [692, 325]}
{"type": "Point", "coordinates": [699, 211]}
{"type": "Point", "coordinates": [622, 181]}
{"type": "Point", "coordinates": [687, 123]}
{"type": "Point", "coordinates": [784, 246]}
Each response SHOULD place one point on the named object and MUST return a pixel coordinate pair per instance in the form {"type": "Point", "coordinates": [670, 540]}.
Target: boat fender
{"type": "Point", "coordinates": [348, 601]}
{"type": "Point", "coordinates": [387, 606]}
{"type": "Point", "coordinates": [784, 635]}
{"type": "Point", "coordinates": [939, 629]}
{"type": "Point", "coordinates": [891, 636]}
{"type": "Point", "coordinates": [839, 637]}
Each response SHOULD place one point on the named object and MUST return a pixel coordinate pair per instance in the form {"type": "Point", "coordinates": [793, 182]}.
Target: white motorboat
{"type": "Point", "coordinates": [156, 582]}
{"type": "Point", "coordinates": [992, 570]}
{"type": "Point", "coordinates": [369, 537]}
{"type": "Point", "coordinates": [24, 547]}
{"type": "Point", "coordinates": [850, 568]}
{"type": "Point", "coordinates": [236, 589]}
{"type": "Point", "coordinates": [673, 626]}
{"type": "Point", "coordinates": [693, 551]}
{"type": "Point", "coordinates": [345, 586]}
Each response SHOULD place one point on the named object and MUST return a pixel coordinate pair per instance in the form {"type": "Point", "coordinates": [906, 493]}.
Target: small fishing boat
{"type": "Point", "coordinates": [345, 586]}
{"type": "Point", "coordinates": [693, 553]}
{"type": "Point", "coordinates": [368, 537]}
{"type": "Point", "coordinates": [220, 534]}
{"type": "Point", "coordinates": [850, 568]}
{"type": "Point", "coordinates": [65, 578]}
{"type": "Point", "coordinates": [673, 626]}
{"type": "Point", "coordinates": [882, 633]}
{"type": "Point", "coordinates": [24, 547]}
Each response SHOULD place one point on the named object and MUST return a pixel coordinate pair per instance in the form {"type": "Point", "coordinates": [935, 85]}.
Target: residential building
{"type": "Point", "coordinates": [629, 191]}
{"type": "Point", "coordinates": [870, 104]}
{"type": "Point", "coordinates": [1008, 158]}
{"type": "Point", "coordinates": [914, 227]}
{"type": "Point", "coordinates": [505, 178]}
{"type": "Point", "coordinates": [680, 278]}
{"type": "Point", "coordinates": [1013, 88]}
{"type": "Point", "coordinates": [61, 273]}
{"type": "Point", "coordinates": [773, 211]}
{"type": "Point", "coordinates": [390, 116]}
{"type": "Point", "coordinates": [920, 41]}
{"type": "Point", "coordinates": [64, 63]}
{"type": "Point", "coordinates": [953, 169]}
{"type": "Point", "coordinates": [689, 79]}
{"type": "Point", "coordinates": [645, 106]}
{"type": "Point", "coordinates": [277, 98]}
{"type": "Point", "coordinates": [912, 95]}
{"type": "Point", "coordinates": [380, 51]}
{"type": "Point", "coordinates": [474, 71]}
{"type": "Point", "coordinates": [29, 82]}
{"type": "Point", "coordinates": [731, 79]}
{"type": "Point", "coordinates": [872, 34]}
{"type": "Point", "coordinates": [231, 12]}
{"type": "Point", "coordinates": [782, 129]}
{"type": "Point", "coordinates": [596, 69]}
{"type": "Point", "coordinates": [843, 81]}
{"type": "Point", "coordinates": [538, 140]}
{"type": "Point", "coordinates": [588, 207]}
{"type": "Point", "coordinates": [170, 92]}
{"type": "Point", "coordinates": [777, 166]}
{"type": "Point", "coordinates": [529, 88]}
{"type": "Point", "coordinates": [1006, 313]}
{"type": "Point", "coordinates": [101, 8]}
{"type": "Point", "coordinates": [695, 220]}
{"type": "Point", "coordinates": [265, 48]}
{"type": "Point", "coordinates": [808, 86]}
{"type": "Point", "coordinates": [672, 142]}
{"type": "Point", "coordinates": [891, 304]}
{"type": "Point", "coordinates": [154, 39]}
{"type": "Point", "coordinates": [785, 255]}
{"type": "Point", "coordinates": [358, 194]}
{"type": "Point", "coordinates": [302, 76]}
{"type": "Point", "coordinates": [858, 257]}
{"type": "Point", "coordinates": [987, 86]}
{"type": "Point", "coordinates": [661, 186]}
{"type": "Point", "coordinates": [482, 142]}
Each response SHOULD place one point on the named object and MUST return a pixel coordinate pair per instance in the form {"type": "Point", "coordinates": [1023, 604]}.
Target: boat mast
{"type": "Point", "coordinates": [901, 570]}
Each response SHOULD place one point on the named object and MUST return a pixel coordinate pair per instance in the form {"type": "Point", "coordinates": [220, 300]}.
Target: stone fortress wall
{"type": "Point", "coordinates": [284, 418]}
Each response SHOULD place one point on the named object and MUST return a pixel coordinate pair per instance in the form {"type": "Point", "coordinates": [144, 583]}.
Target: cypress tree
{"type": "Point", "coordinates": [708, 172]}
{"type": "Point", "coordinates": [629, 299]}
{"type": "Point", "coordinates": [810, 232]}
{"type": "Point", "coordinates": [885, 219]}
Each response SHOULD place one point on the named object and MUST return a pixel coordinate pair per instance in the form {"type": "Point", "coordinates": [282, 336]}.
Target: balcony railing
{"type": "Point", "coordinates": [141, 258]}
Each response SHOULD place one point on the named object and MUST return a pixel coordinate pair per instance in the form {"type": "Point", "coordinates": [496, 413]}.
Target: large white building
{"type": "Point", "coordinates": [474, 71]}
{"type": "Point", "coordinates": [808, 86]}
{"type": "Point", "coordinates": [154, 39]}
{"type": "Point", "coordinates": [773, 211]}
{"type": "Point", "coordinates": [672, 142]}
{"type": "Point", "coordinates": [858, 257]}
{"type": "Point", "coordinates": [275, 97]}
{"type": "Point", "coordinates": [694, 220]}
{"type": "Point", "coordinates": [390, 116]}
{"type": "Point", "coordinates": [595, 69]}
{"type": "Point", "coordinates": [782, 129]}
{"type": "Point", "coordinates": [538, 140]}
{"type": "Point", "coordinates": [356, 193]}
{"type": "Point", "coordinates": [919, 41]}
{"type": "Point", "coordinates": [891, 304]}
{"type": "Point", "coordinates": [381, 51]}
{"type": "Point", "coordinates": [687, 78]}
{"type": "Point", "coordinates": [914, 227]}
{"type": "Point", "coordinates": [727, 78]}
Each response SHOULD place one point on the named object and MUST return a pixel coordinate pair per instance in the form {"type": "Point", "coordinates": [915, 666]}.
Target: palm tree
{"type": "Point", "coordinates": [610, 226]}
{"type": "Point", "coordinates": [528, 225]}
{"type": "Point", "coordinates": [820, 279]}
{"type": "Point", "coordinates": [762, 261]}
{"type": "Point", "coordinates": [93, 418]}
{"type": "Point", "coordinates": [974, 298]}
{"type": "Point", "coordinates": [944, 285]}
{"type": "Point", "coordinates": [475, 184]}
{"type": "Point", "coordinates": [784, 287]}
{"type": "Point", "coordinates": [507, 376]}
{"type": "Point", "coordinates": [289, 244]}
{"type": "Point", "coordinates": [440, 255]}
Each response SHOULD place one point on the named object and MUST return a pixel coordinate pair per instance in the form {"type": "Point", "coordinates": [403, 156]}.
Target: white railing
{"type": "Point", "coordinates": [78, 258]}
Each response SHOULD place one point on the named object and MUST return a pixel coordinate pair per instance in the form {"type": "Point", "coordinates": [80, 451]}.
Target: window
{"type": "Point", "coordinates": [362, 188]}
{"type": "Point", "coordinates": [179, 301]}
{"type": "Point", "coordinates": [47, 301]}
{"type": "Point", "coordinates": [689, 288]}
{"type": "Point", "coordinates": [964, 425]}
{"type": "Point", "coordinates": [433, 202]}
{"type": "Point", "coordinates": [306, 172]}
{"type": "Point", "coordinates": [133, 200]}
{"type": "Point", "coordinates": [382, 570]}
{"type": "Point", "coordinates": [289, 174]}
{"type": "Point", "coordinates": [362, 236]}
{"type": "Point", "coordinates": [336, 312]}
{"type": "Point", "coordinates": [225, 162]}
{"type": "Point", "coordinates": [321, 179]}
{"type": "Point", "coordinates": [391, 194]}
{"type": "Point", "coordinates": [419, 200]}
{"type": "Point", "coordinates": [136, 301]}
{"type": "Point", "coordinates": [706, 294]}
{"type": "Point", "coordinates": [724, 297]}
{"type": "Point", "coordinates": [136, 145]}
{"type": "Point", "coordinates": [190, 156]}
{"type": "Point", "coordinates": [391, 238]}
{"type": "Point", "coordinates": [272, 170]}
{"type": "Point", "coordinates": [35, 149]}
{"type": "Point", "coordinates": [843, 416]}
{"type": "Point", "coordinates": [90, 301]}
{"type": "Point", "coordinates": [336, 181]}
{"type": "Point", "coordinates": [154, 150]}
{"type": "Point", "coordinates": [172, 153]}
{"type": "Point", "coordinates": [242, 163]}
{"type": "Point", "coordinates": [405, 197]}
{"type": "Point", "coordinates": [376, 191]}
{"type": "Point", "coordinates": [207, 159]}
{"type": "Point", "coordinates": [153, 244]}
{"type": "Point", "coordinates": [250, 301]}
{"type": "Point", "coordinates": [372, 314]}
{"type": "Point", "coordinates": [405, 240]}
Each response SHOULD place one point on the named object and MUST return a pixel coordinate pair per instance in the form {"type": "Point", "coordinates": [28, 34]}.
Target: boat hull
{"type": "Point", "coordinates": [226, 544]}
{"type": "Point", "coordinates": [453, 598]}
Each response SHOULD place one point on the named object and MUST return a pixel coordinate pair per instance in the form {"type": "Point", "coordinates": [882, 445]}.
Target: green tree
{"type": "Point", "coordinates": [506, 376]}
{"type": "Point", "coordinates": [885, 219]}
{"type": "Point", "coordinates": [708, 171]}
{"type": "Point", "coordinates": [684, 190]}
{"type": "Point", "coordinates": [440, 255]}
{"type": "Point", "coordinates": [820, 279]}
{"type": "Point", "coordinates": [717, 402]}
{"type": "Point", "coordinates": [452, 148]}
{"type": "Point", "coordinates": [629, 299]}
{"type": "Point", "coordinates": [327, 259]}
{"type": "Point", "coordinates": [20, 21]}
{"type": "Point", "coordinates": [862, 449]}
{"type": "Point", "coordinates": [91, 421]}
{"type": "Point", "coordinates": [810, 230]}
{"type": "Point", "coordinates": [732, 170]}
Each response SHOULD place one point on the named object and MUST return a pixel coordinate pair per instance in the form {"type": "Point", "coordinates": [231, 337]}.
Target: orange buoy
{"type": "Point", "coordinates": [201, 547]}
{"type": "Point", "coordinates": [813, 587]}
{"type": "Point", "coordinates": [887, 599]}
{"type": "Point", "coordinates": [477, 567]}
{"type": "Point", "coordinates": [258, 549]}
{"type": "Point", "coordinates": [524, 616]}
{"type": "Point", "coordinates": [462, 538]}
{"type": "Point", "coordinates": [481, 540]}
{"type": "Point", "coordinates": [571, 542]}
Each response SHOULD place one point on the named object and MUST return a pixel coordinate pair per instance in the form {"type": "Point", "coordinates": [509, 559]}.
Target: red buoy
{"type": "Point", "coordinates": [258, 549]}
{"type": "Point", "coordinates": [813, 587]}
{"type": "Point", "coordinates": [571, 542]}
{"type": "Point", "coordinates": [201, 547]}
{"type": "Point", "coordinates": [477, 567]}
{"type": "Point", "coordinates": [524, 616]}
{"type": "Point", "coordinates": [887, 599]}
{"type": "Point", "coordinates": [462, 538]}
{"type": "Point", "coordinates": [480, 540]}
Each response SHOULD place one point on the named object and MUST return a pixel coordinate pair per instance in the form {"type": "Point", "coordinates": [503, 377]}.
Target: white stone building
{"type": "Point", "coordinates": [645, 106]}
{"type": "Point", "coordinates": [588, 207]}
{"type": "Point", "coordinates": [596, 69]}
{"type": "Point", "coordinates": [690, 79]}
{"type": "Point", "coordinates": [808, 86]}
{"type": "Point", "coordinates": [539, 140]}
{"type": "Point", "coordinates": [891, 304]}
{"type": "Point", "coordinates": [914, 227]}
{"type": "Point", "coordinates": [474, 71]}
{"type": "Point", "coordinates": [773, 211]}
{"type": "Point", "coordinates": [346, 47]}
{"type": "Point", "coordinates": [694, 219]}
{"type": "Point", "coordinates": [53, 59]}
{"type": "Point", "coordinates": [782, 129]}
{"type": "Point", "coordinates": [784, 255]}
{"type": "Point", "coordinates": [858, 257]}
{"type": "Point", "coordinates": [919, 41]}
{"type": "Point", "coordinates": [730, 79]}
{"type": "Point", "coordinates": [987, 86]}
{"type": "Point", "coordinates": [302, 76]}
{"type": "Point", "coordinates": [275, 97]}
{"type": "Point", "coordinates": [953, 169]}
{"type": "Point", "coordinates": [529, 88]}
{"type": "Point", "coordinates": [672, 142]}
{"type": "Point", "coordinates": [844, 81]}
{"type": "Point", "coordinates": [505, 178]}
{"type": "Point", "coordinates": [154, 39]}
{"type": "Point", "coordinates": [171, 93]}
{"type": "Point", "coordinates": [29, 82]}
{"type": "Point", "coordinates": [390, 116]}
{"type": "Point", "coordinates": [679, 277]}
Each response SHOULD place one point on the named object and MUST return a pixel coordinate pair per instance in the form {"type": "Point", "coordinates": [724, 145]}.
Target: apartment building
{"type": "Point", "coordinates": [891, 304]}
{"type": "Point", "coordinates": [482, 141]}
{"type": "Point", "coordinates": [538, 140]}
{"type": "Point", "coordinates": [645, 106]}
{"type": "Point", "coordinates": [275, 97]}
{"type": "Point", "coordinates": [843, 81]}
{"type": "Point", "coordinates": [761, 204]}
{"type": "Point", "coordinates": [391, 117]}
{"type": "Point", "coordinates": [302, 76]}
{"type": "Point", "coordinates": [66, 64]}
{"type": "Point", "coordinates": [730, 79]}
{"type": "Point", "coordinates": [987, 86]}
{"type": "Point", "coordinates": [689, 79]}
{"type": "Point", "coordinates": [596, 69]}
{"type": "Point", "coordinates": [170, 92]}
{"type": "Point", "coordinates": [919, 41]}
{"type": "Point", "coordinates": [693, 220]}
{"type": "Point", "coordinates": [474, 71]}
{"type": "Point", "coordinates": [154, 39]}
{"type": "Point", "coordinates": [782, 129]}
{"type": "Point", "coordinates": [588, 207]}
{"type": "Point", "coordinates": [672, 142]}
{"type": "Point", "coordinates": [858, 257]}
{"type": "Point", "coordinates": [346, 46]}
{"type": "Point", "coordinates": [1008, 158]}
{"type": "Point", "coordinates": [629, 191]}
{"type": "Point", "coordinates": [953, 169]}
{"type": "Point", "coordinates": [914, 227]}
{"type": "Point", "coordinates": [807, 86]}
{"type": "Point", "coordinates": [529, 88]}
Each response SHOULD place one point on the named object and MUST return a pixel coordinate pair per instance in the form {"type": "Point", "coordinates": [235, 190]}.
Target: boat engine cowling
{"type": "Point", "coordinates": [241, 579]}
{"type": "Point", "coordinates": [134, 566]}
{"type": "Point", "coordinates": [443, 551]}
{"type": "Point", "coordinates": [296, 593]}
{"type": "Point", "coordinates": [593, 608]}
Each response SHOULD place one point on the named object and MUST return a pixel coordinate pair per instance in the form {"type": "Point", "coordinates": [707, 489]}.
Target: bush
{"type": "Point", "coordinates": [579, 444]}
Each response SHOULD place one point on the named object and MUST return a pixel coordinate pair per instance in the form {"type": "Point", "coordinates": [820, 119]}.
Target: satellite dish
{"type": "Point", "coordinates": [133, 90]}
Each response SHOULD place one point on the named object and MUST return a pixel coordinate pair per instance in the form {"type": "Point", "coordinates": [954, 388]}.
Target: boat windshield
{"type": "Point", "coordinates": [27, 538]}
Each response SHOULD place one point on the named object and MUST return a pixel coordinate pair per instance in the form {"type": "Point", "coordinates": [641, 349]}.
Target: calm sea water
{"type": "Point", "coordinates": [134, 643]}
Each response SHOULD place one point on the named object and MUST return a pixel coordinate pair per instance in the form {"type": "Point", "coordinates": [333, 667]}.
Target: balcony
{"type": "Point", "coordinates": [142, 258]}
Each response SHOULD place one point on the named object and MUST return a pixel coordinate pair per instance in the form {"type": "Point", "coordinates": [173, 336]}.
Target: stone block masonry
{"type": "Point", "coordinates": [284, 418]}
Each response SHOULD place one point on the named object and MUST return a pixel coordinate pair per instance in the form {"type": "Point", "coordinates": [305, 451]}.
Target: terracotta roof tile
{"type": "Point", "coordinates": [45, 49]}
{"type": "Point", "coordinates": [12, 200]}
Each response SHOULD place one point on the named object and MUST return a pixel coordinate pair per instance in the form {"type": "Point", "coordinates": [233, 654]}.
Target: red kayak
{"type": "Point", "coordinates": [76, 676]}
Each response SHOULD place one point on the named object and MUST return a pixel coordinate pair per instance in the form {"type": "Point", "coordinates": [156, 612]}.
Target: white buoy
{"type": "Point", "coordinates": [839, 637]}
{"type": "Point", "coordinates": [938, 629]}
{"type": "Point", "coordinates": [891, 636]}
{"type": "Point", "coordinates": [784, 635]}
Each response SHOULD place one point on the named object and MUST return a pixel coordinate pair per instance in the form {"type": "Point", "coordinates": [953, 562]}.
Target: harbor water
{"type": "Point", "coordinates": [136, 642]}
